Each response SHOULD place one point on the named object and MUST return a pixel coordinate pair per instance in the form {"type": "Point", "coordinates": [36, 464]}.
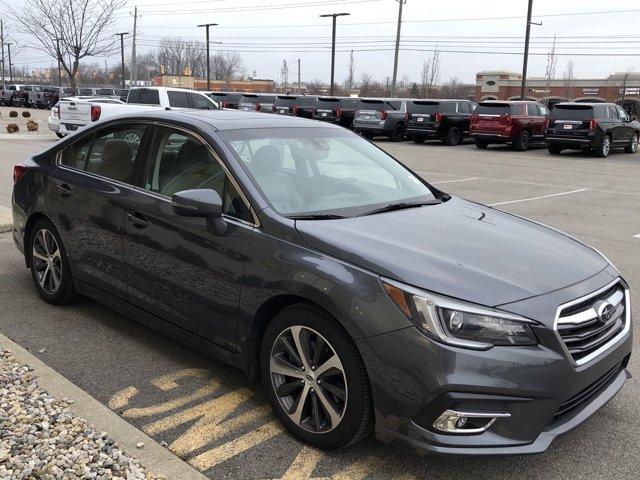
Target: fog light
{"type": "Point", "coordinates": [452, 421]}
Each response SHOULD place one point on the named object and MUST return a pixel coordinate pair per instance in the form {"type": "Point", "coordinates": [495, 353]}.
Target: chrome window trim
{"type": "Point", "coordinates": [602, 349]}
{"type": "Point", "coordinates": [245, 199]}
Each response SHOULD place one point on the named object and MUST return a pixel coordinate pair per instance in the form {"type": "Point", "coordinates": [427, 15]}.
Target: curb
{"type": "Point", "coordinates": [6, 219]}
{"type": "Point", "coordinates": [154, 457]}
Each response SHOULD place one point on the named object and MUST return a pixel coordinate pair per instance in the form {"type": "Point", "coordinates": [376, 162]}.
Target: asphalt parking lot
{"type": "Point", "coordinates": [210, 415]}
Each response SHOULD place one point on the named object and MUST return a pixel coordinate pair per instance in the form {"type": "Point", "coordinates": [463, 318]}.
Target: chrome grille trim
{"type": "Point", "coordinates": [582, 319]}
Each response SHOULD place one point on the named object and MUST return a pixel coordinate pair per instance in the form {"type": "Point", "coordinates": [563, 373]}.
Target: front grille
{"type": "Point", "coordinates": [589, 325]}
{"type": "Point", "coordinates": [591, 391]}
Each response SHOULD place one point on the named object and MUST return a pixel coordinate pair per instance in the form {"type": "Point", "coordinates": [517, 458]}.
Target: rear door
{"type": "Point", "coordinates": [626, 124]}
{"type": "Point", "coordinates": [87, 198]}
{"type": "Point", "coordinates": [618, 128]}
{"type": "Point", "coordinates": [177, 269]}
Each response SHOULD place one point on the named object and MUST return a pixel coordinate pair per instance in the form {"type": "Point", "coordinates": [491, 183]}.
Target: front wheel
{"type": "Point", "coordinates": [398, 133]}
{"type": "Point", "coordinates": [521, 143]}
{"type": "Point", "coordinates": [49, 264]}
{"type": "Point", "coordinates": [454, 136]}
{"type": "Point", "coordinates": [604, 147]}
{"type": "Point", "coordinates": [315, 378]}
{"type": "Point", "coordinates": [633, 146]}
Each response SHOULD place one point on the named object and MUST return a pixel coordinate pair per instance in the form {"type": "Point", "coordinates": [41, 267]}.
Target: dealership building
{"type": "Point", "coordinates": [503, 85]}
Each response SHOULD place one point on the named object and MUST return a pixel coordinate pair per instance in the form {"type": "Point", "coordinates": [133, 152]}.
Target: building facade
{"type": "Point", "coordinates": [193, 83]}
{"type": "Point", "coordinates": [502, 85]}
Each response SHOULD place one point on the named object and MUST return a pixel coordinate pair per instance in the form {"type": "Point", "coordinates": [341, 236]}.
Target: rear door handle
{"type": "Point", "coordinates": [64, 190]}
{"type": "Point", "coordinates": [137, 220]}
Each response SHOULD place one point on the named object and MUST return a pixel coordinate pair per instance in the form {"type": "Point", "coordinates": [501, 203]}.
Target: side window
{"type": "Point", "coordinates": [75, 155]}
{"type": "Point", "coordinates": [543, 110]}
{"type": "Point", "coordinates": [181, 162]}
{"type": "Point", "coordinates": [199, 101]}
{"type": "Point", "coordinates": [612, 112]}
{"type": "Point", "coordinates": [463, 107]}
{"type": "Point", "coordinates": [447, 107]}
{"type": "Point", "coordinates": [178, 99]}
{"type": "Point", "coordinates": [114, 151]}
{"type": "Point", "coordinates": [622, 114]}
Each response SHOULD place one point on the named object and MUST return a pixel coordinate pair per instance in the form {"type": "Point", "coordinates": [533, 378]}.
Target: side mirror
{"type": "Point", "coordinates": [201, 203]}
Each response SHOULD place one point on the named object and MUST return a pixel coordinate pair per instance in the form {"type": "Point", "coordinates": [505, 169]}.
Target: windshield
{"type": "Point", "coordinates": [309, 171]}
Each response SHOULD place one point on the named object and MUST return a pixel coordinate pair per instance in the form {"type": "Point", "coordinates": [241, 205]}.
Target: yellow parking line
{"type": "Point", "coordinates": [167, 382]}
{"type": "Point", "coordinates": [121, 398]}
{"type": "Point", "coordinates": [304, 464]}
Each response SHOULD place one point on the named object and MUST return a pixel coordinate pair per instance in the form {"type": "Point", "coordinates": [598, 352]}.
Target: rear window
{"type": "Point", "coordinates": [572, 112]}
{"type": "Point", "coordinates": [348, 103]}
{"type": "Point", "coordinates": [266, 98]}
{"type": "Point", "coordinates": [424, 107]}
{"type": "Point", "coordinates": [85, 91]}
{"type": "Point", "coordinates": [493, 109]}
{"type": "Point", "coordinates": [307, 101]}
{"type": "Point", "coordinates": [285, 101]}
{"type": "Point", "coordinates": [328, 102]}
{"type": "Point", "coordinates": [218, 96]}
{"type": "Point", "coordinates": [378, 105]}
{"type": "Point", "coordinates": [144, 97]}
{"type": "Point", "coordinates": [249, 99]}
{"type": "Point", "coordinates": [234, 97]}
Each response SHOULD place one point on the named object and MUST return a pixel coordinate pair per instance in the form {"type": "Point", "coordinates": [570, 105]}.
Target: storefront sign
{"type": "Point", "coordinates": [590, 91]}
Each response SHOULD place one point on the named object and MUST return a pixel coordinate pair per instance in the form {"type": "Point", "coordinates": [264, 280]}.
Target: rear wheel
{"type": "Point", "coordinates": [521, 143]}
{"type": "Point", "coordinates": [604, 147]}
{"type": "Point", "coordinates": [554, 149]}
{"type": "Point", "coordinates": [454, 136]}
{"type": "Point", "coordinates": [633, 146]}
{"type": "Point", "coordinates": [480, 144]}
{"type": "Point", "coordinates": [315, 378]}
{"type": "Point", "coordinates": [49, 264]}
{"type": "Point", "coordinates": [398, 133]}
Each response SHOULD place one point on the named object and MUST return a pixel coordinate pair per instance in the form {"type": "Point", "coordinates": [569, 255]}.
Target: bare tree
{"type": "Point", "coordinates": [567, 79]}
{"type": "Point", "coordinates": [352, 71]}
{"type": "Point", "coordinates": [284, 74]}
{"type": "Point", "coordinates": [83, 28]}
{"type": "Point", "coordinates": [430, 75]}
{"type": "Point", "coordinates": [226, 65]}
{"type": "Point", "coordinates": [550, 70]}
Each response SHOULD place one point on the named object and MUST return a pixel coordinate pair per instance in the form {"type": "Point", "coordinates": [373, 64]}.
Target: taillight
{"type": "Point", "coordinates": [258, 107]}
{"type": "Point", "coordinates": [475, 118]}
{"type": "Point", "coordinates": [314, 112]}
{"type": "Point", "coordinates": [338, 112]}
{"type": "Point", "coordinates": [296, 109]}
{"type": "Point", "coordinates": [438, 117]}
{"type": "Point", "coordinates": [273, 108]}
{"type": "Point", "coordinates": [505, 119]}
{"type": "Point", "coordinates": [96, 110]}
{"type": "Point", "coordinates": [225, 104]}
{"type": "Point", "coordinates": [593, 124]}
{"type": "Point", "coordinates": [383, 115]}
{"type": "Point", "coordinates": [57, 110]}
{"type": "Point", "coordinates": [18, 171]}
{"type": "Point", "coordinates": [406, 117]}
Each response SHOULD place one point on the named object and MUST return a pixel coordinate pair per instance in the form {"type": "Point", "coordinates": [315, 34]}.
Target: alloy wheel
{"type": "Point", "coordinates": [47, 261]}
{"type": "Point", "coordinates": [308, 379]}
{"type": "Point", "coordinates": [606, 146]}
{"type": "Point", "coordinates": [634, 144]}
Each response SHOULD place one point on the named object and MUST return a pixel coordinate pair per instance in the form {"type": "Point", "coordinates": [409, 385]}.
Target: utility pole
{"type": "Point", "coordinates": [333, 45]}
{"type": "Point", "coordinates": [525, 61]}
{"type": "Point", "coordinates": [624, 87]}
{"type": "Point", "coordinates": [58, 55]}
{"type": "Point", "coordinates": [10, 66]}
{"type": "Point", "coordinates": [397, 54]}
{"type": "Point", "coordinates": [2, 49]}
{"type": "Point", "coordinates": [206, 26]}
{"type": "Point", "coordinates": [121, 35]}
{"type": "Point", "coordinates": [299, 87]}
{"type": "Point", "coordinates": [133, 75]}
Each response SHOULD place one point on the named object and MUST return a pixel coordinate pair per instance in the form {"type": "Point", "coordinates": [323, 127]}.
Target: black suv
{"type": "Point", "coordinates": [447, 120]}
{"type": "Point", "coordinates": [380, 116]}
{"type": "Point", "coordinates": [256, 102]}
{"type": "Point", "coordinates": [284, 104]}
{"type": "Point", "coordinates": [226, 99]}
{"type": "Point", "coordinates": [597, 127]}
{"type": "Point", "coordinates": [305, 106]}
{"type": "Point", "coordinates": [348, 107]}
{"type": "Point", "coordinates": [328, 110]}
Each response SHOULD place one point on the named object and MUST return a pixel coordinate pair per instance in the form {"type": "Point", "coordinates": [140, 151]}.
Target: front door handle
{"type": "Point", "coordinates": [137, 220]}
{"type": "Point", "coordinates": [64, 190]}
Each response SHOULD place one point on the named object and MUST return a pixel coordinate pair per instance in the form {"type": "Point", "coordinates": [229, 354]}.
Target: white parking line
{"type": "Point", "coordinates": [538, 198]}
{"type": "Point", "coordinates": [453, 181]}
{"type": "Point", "coordinates": [636, 236]}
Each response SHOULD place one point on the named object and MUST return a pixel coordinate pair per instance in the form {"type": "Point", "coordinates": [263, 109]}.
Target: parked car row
{"type": "Point", "coordinates": [46, 96]}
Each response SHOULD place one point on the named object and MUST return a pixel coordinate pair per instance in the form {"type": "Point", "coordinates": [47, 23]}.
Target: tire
{"type": "Point", "coordinates": [59, 135]}
{"type": "Point", "coordinates": [398, 133]}
{"type": "Point", "coordinates": [554, 149]}
{"type": "Point", "coordinates": [633, 146]}
{"type": "Point", "coordinates": [481, 145]}
{"type": "Point", "coordinates": [353, 414]}
{"type": "Point", "coordinates": [454, 137]}
{"type": "Point", "coordinates": [604, 147]}
{"type": "Point", "coordinates": [419, 140]}
{"type": "Point", "coordinates": [43, 272]}
{"type": "Point", "coordinates": [521, 143]}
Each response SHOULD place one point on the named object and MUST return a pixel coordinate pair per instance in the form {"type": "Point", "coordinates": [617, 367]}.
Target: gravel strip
{"type": "Point", "coordinates": [41, 439]}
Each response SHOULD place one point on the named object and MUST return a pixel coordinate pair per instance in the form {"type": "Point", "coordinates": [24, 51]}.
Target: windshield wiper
{"type": "Point", "coordinates": [399, 206]}
{"type": "Point", "coordinates": [316, 216]}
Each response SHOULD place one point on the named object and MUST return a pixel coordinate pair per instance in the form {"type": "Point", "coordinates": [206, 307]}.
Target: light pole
{"type": "Point", "coordinates": [333, 44]}
{"type": "Point", "coordinates": [121, 35]}
{"type": "Point", "coordinates": [206, 26]}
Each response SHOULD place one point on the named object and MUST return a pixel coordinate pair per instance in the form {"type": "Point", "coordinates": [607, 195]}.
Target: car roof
{"type": "Point", "coordinates": [222, 120]}
{"type": "Point", "coordinates": [510, 102]}
{"type": "Point", "coordinates": [586, 104]}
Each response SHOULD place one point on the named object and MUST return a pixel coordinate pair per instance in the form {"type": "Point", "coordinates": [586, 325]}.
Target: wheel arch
{"type": "Point", "coordinates": [31, 221]}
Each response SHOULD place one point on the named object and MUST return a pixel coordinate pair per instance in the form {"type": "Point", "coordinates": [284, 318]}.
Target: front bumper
{"type": "Point", "coordinates": [414, 380]}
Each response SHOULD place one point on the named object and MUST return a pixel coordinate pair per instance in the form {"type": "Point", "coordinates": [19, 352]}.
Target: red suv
{"type": "Point", "coordinates": [515, 122]}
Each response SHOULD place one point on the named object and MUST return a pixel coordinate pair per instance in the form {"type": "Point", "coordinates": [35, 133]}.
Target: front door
{"type": "Point", "coordinates": [86, 200]}
{"type": "Point", "coordinates": [176, 268]}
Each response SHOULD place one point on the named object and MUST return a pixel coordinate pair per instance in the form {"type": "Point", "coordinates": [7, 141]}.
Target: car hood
{"type": "Point", "coordinates": [459, 249]}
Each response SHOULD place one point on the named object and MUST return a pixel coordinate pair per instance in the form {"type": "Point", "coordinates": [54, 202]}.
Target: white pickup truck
{"type": "Point", "coordinates": [76, 114]}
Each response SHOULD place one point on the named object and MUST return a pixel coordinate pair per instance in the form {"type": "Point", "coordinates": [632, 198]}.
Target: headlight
{"type": "Point", "coordinates": [460, 323]}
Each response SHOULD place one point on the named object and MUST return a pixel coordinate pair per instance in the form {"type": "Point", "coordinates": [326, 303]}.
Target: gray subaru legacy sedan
{"type": "Point", "coordinates": [364, 298]}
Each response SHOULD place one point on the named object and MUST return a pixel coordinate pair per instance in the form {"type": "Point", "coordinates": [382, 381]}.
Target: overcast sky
{"type": "Point", "coordinates": [266, 32]}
